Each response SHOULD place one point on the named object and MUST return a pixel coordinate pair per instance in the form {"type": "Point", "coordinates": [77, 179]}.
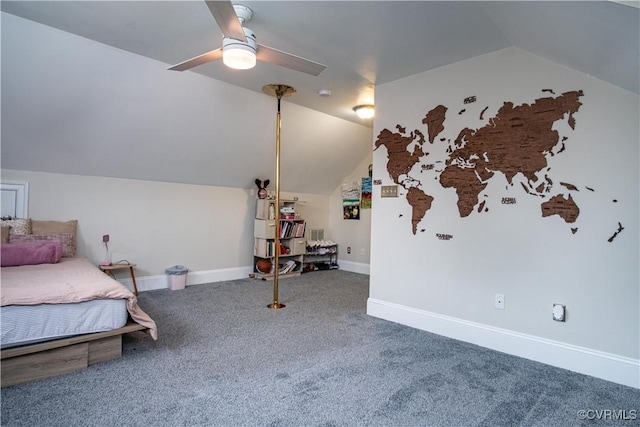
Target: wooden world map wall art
{"type": "Point", "coordinates": [519, 139]}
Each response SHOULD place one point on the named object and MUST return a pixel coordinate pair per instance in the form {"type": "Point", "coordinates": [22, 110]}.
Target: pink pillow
{"type": "Point", "coordinates": [65, 239]}
{"type": "Point", "coordinates": [31, 253]}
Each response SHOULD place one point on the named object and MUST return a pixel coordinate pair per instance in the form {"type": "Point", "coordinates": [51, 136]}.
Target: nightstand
{"type": "Point", "coordinates": [110, 268]}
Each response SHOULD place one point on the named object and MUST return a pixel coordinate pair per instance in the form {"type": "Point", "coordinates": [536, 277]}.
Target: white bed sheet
{"type": "Point", "coordinates": [28, 324]}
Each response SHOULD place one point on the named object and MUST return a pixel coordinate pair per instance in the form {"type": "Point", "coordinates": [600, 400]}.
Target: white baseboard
{"type": "Point", "coordinates": [599, 364]}
{"type": "Point", "coordinates": [149, 283]}
{"type": "Point", "coordinates": [354, 267]}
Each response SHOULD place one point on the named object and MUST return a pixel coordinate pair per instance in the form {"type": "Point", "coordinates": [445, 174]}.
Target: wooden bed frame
{"type": "Point", "coordinates": [52, 358]}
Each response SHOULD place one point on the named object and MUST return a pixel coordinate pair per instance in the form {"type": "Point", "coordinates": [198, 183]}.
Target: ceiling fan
{"type": "Point", "coordinates": [239, 43]}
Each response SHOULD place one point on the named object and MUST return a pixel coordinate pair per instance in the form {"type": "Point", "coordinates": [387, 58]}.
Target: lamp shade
{"type": "Point", "coordinates": [365, 111]}
{"type": "Point", "coordinates": [240, 55]}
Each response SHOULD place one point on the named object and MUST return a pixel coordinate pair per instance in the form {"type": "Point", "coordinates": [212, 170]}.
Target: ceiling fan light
{"type": "Point", "coordinates": [239, 58]}
{"type": "Point", "coordinates": [238, 54]}
{"type": "Point", "coordinates": [365, 111]}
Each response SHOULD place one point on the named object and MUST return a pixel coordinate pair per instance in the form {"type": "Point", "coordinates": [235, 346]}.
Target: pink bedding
{"type": "Point", "coordinates": [69, 281]}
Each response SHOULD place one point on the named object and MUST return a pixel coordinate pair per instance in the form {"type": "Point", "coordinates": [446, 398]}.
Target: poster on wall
{"type": "Point", "coordinates": [365, 198]}
{"type": "Point", "coordinates": [351, 200]}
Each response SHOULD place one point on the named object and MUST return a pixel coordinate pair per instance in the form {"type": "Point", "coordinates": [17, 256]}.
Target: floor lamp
{"type": "Point", "coordinates": [279, 91]}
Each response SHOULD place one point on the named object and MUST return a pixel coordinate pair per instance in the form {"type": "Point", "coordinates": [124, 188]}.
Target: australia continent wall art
{"type": "Point", "coordinates": [517, 139]}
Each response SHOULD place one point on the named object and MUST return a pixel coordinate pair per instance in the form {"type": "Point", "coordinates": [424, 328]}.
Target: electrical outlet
{"type": "Point", "coordinates": [348, 249]}
{"type": "Point", "coordinates": [105, 238]}
{"type": "Point", "coordinates": [559, 312]}
{"type": "Point", "coordinates": [499, 301]}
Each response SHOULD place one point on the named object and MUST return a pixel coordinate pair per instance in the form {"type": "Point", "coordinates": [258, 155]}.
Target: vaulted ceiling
{"type": "Point", "coordinates": [363, 43]}
{"type": "Point", "coordinates": [68, 100]}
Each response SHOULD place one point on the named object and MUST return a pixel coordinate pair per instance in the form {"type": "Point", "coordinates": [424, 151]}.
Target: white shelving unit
{"type": "Point", "coordinates": [291, 237]}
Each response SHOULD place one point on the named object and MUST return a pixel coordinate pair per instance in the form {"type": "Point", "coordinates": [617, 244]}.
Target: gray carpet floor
{"type": "Point", "coordinates": [224, 359]}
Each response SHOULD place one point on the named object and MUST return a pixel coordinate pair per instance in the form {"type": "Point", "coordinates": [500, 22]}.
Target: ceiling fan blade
{"type": "Point", "coordinates": [198, 60]}
{"type": "Point", "coordinates": [287, 60]}
{"type": "Point", "coordinates": [225, 15]}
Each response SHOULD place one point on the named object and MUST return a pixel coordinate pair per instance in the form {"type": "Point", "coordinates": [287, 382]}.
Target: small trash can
{"type": "Point", "coordinates": [177, 277]}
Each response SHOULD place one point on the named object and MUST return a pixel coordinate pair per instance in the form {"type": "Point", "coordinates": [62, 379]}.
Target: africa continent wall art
{"type": "Point", "coordinates": [516, 140]}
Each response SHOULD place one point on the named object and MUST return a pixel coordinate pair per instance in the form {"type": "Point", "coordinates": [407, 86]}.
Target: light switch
{"type": "Point", "coordinates": [389, 191]}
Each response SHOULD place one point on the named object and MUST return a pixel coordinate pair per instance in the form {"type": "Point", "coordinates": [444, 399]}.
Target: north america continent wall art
{"type": "Point", "coordinates": [516, 140]}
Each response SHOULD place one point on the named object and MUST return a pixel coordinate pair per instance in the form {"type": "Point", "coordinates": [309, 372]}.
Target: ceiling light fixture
{"type": "Point", "coordinates": [240, 55]}
{"type": "Point", "coordinates": [365, 111]}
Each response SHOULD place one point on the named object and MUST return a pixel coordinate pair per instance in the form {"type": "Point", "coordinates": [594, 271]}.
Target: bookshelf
{"type": "Point", "coordinates": [290, 234]}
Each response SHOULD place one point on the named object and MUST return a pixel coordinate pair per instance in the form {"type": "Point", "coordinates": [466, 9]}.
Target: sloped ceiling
{"type": "Point", "coordinates": [72, 103]}
{"type": "Point", "coordinates": [363, 43]}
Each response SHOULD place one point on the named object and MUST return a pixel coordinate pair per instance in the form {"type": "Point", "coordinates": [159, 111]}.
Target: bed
{"type": "Point", "coordinates": [60, 314]}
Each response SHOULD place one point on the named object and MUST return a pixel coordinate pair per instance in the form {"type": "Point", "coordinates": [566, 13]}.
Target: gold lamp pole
{"type": "Point", "coordinates": [278, 91]}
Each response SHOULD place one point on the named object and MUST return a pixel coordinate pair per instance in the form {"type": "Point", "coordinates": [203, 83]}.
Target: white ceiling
{"type": "Point", "coordinates": [363, 43]}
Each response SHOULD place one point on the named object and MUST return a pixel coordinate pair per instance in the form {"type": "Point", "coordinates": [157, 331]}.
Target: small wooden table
{"type": "Point", "coordinates": [109, 270]}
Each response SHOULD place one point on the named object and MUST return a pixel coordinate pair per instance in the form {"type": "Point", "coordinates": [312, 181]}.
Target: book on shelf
{"type": "Point", "coordinates": [287, 267]}
{"type": "Point", "coordinates": [264, 248]}
{"type": "Point", "coordinates": [284, 229]}
{"type": "Point", "coordinates": [290, 229]}
{"type": "Point", "coordinates": [298, 230]}
{"type": "Point", "coordinates": [287, 212]}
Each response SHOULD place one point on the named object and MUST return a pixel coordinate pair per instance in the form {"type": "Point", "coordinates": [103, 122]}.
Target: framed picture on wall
{"type": "Point", "coordinates": [351, 200]}
{"type": "Point", "coordinates": [366, 193]}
